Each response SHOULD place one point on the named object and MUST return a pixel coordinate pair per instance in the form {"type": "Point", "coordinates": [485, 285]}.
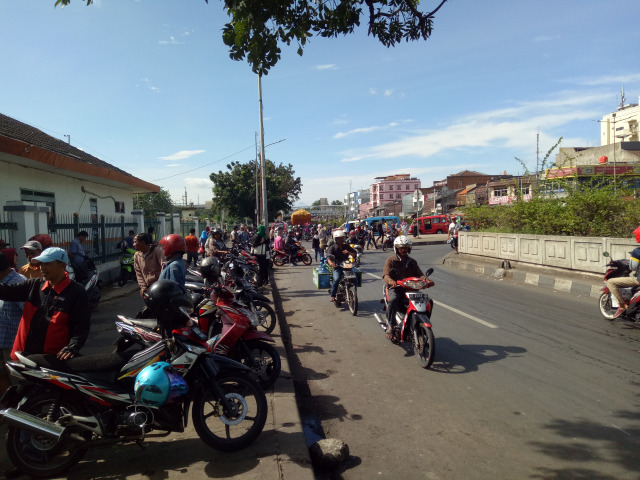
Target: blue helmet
{"type": "Point", "coordinates": [159, 384]}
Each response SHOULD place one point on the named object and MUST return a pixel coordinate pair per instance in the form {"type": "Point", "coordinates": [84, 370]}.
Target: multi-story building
{"type": "Point", "coordinates": [392, 188]}
{"type": "Point", "coordinates": [621, 125]}
{"type": "Point", "coordinates": [353, 200]}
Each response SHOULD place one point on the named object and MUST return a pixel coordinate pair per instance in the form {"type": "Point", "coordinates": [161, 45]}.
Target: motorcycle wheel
{"type": "Point", "coordinates": [267, 316]}
{"type": "Point", "coordinates": [39, 456]}
{"type": "Point", "coordinates": [384, 246]}
{"type": "Point", "coordinates": [352, 299]}
{"type": "Point", "coordinates": [252, 277]}
{"type": "Point", "coordinates": [306, 259]}
{"type": "Point", "coordinates": [263, 360]}
{"type": "Point", "coordinates": [225, 430]}
{"type": "Point", "coordinates": [279, 260]}
{"type": "Point", "coordinates": [122, 279]}
{"type": "Point", "coordinates": [94, 298]}
{"type": "Point", "coordinates": [606, 309]}
{"type": "Point", "coordinates": [424, 345]}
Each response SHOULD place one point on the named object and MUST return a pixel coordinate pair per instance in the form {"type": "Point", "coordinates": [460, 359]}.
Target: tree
{"type": "Point", "coordinates": [235, 191]}
{"type": "Point", "coordinates": [152, 203]}
{"type": "Point", "coordinates": [336, 202]}
{"type": "Point", "coordinates": [257, 28]}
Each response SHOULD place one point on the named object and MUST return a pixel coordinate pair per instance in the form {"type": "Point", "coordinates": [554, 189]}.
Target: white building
{"type": "Point", "coordinates": [621, 125]}
{"type": "Point", "coordinates": [353, 200]}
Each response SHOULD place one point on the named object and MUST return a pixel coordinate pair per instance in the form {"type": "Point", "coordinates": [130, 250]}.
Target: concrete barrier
{"type": "Point", "coordinates": [574, 253]}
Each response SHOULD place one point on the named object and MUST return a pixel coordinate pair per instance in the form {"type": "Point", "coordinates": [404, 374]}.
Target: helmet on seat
{"type": "Point", "coordinates": [159, 384]}
{"type": "Point", "coordinates": [164, 298]}
{"type": "Point", "coordinates": [173, 243]}
{"type": "Point", "coordinates": [402, 241]}
{"type": "Point", "coordinates": [210, 268]}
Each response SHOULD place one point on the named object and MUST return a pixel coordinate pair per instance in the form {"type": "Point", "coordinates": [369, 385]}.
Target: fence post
{"type": "Point", "coordinates": [76, 224]}
{"type": "Point", "coordinates": [103, 238]}
{"type": "Point", "coordinates": [122, 227]}
{"type": "Point", "coordinates": [175, 223]}
{"type": "Point", "coordinates": [138, 217]}
{"type": "Point", "coordinates": [162, 227]}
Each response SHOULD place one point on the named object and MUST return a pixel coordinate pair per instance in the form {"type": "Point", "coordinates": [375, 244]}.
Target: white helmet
{"type": "Point", "coordinates": [339, 234]}
{"type": "Point", "coordinates": [402, 241]}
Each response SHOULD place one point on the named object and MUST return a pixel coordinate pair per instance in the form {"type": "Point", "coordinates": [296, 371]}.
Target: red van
{"type": "Point", "coordinates": [432, 224]}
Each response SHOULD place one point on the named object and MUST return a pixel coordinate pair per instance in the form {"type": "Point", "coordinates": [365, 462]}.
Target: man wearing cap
{"type": "Point", "coordinates": [56, 316]}
{"type": "Point", "coordinates": [31, 250]}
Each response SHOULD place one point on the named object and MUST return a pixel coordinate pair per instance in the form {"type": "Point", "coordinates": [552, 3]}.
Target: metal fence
{"type": "Point", "coordinates": [186, 226]}
{"type": "Point", "coordinates": [104, 233]}
{"type": "Point", "coordinates": [7, 228]}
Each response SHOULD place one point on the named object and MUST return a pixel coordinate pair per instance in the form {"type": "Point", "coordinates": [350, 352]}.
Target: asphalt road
{"type": "Point", "coordinates": [526, 383]}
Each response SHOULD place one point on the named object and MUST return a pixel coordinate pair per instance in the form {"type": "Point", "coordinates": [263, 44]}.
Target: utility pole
{"type": "Point", "coordinates": [263, 161]}
{"type": "Point", "coordinates": [257, 209]}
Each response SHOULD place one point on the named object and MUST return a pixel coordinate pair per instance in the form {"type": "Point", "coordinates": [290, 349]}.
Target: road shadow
{"type": "Point", "coordinates": [588, 441]}
{"type": "Point", "coordinates": [452, 357]}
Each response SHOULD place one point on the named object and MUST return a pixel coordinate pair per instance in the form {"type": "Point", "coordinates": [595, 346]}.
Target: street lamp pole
{"type": "Point", "coordinates": [614, 154]}
{"type": "Point", "coordinates": [263, 162]}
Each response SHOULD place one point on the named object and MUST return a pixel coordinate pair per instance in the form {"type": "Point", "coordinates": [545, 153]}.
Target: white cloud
{"type": "Point", "coordinates": [173, 165]}
{"type": "Point", "coordinates": [608, 80]}
{"type": "Point", "coordinates": [544, 38]}
{"type": "Point", "coordinates": [365, 130]}
{"type": "Point", "coordinates": [373, 91]}
{"type": "Point", "coordinates": [388, 93]}
{"type": "Point", "coordinates": [172, 41]}
{"type": "Point", "coordinates": [329, 66]}
{"type": "Point", "coordinates": [512, 128]}
{"type": "Point", "coordinates": [145, 82]}
{"type": "Point", "coordinates": [182, 155]}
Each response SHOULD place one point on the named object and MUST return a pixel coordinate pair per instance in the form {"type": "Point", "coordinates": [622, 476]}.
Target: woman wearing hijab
{"type": "Point", "coordinates": [260, 248]}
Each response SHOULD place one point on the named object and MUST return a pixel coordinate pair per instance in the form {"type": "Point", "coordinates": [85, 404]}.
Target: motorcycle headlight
{"type": "Point", "coordinates": [415, 284]}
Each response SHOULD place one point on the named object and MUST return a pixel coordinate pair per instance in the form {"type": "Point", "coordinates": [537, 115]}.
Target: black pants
{"type": "Point", "coordinates": [396, 296]}
{"type": "Point", "coordinates": [263, 265]}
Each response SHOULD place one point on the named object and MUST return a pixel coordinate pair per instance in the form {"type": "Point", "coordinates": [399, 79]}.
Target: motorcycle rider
{"type": "Point", "coordinates": [630, 281]}
{"type": "Point", "coordinates": [399, 266]}
{"type": "Point", "coordinates": [174, 247]}
{"type": "Point", "coordinates": [336, 254]}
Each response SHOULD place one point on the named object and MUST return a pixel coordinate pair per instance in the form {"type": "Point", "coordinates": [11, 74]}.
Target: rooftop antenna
{"type": "Point", "coordinates": [622, 98]}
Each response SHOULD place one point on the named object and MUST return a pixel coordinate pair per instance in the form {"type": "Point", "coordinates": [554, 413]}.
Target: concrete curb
{"type": "Point", "coordinates": [589, 286]}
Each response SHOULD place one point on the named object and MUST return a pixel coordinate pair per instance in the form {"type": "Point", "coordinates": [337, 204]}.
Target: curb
{"type": "Point", "coordinates": [522, 274]}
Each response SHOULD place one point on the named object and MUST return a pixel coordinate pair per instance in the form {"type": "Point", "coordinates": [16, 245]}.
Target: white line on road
{"type": "Point", "coordinates": [454, 310]}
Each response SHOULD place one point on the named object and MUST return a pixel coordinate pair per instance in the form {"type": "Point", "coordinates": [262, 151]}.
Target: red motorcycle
{"type": "Point", "coordinates": [281, 258]}
{"type": "Point", "coordinates": [608, 303]}
{"type": "Point", "coordinates": [413, 318]}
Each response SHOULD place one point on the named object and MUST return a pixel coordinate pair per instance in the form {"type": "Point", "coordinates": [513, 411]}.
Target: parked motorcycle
{"type": "Point", "coordinates": [413, 318]}
{"type": "Point", "coordinates": [608, 303]}
{"type": "Point", "coordinates": [91, 284]}
{"type": "Point", "coordinates": [61, 409]}
{"type": "Point", "coordinates": [126, 263]}
{"type": "Point", "coordinates": [347, 288]}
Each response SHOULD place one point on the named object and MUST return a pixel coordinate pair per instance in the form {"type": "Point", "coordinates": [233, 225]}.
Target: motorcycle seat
{"type": "Point", "coordinates": [150, 323]}
{"type": "Point", "coordinates": [84, 363]}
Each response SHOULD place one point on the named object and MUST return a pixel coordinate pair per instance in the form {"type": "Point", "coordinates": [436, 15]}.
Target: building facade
{"type": "Point", "coordinates": [392, 188]}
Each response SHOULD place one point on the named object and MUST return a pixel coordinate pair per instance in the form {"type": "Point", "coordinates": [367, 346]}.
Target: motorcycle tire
{"type": "Point", "coordinates": [424, 345]}
{"type": "Point", "coordinates": [37, 455]}
{"type": "Point", "coordinates": [606, 309]}
{"type": "Point", "coordinates": [264, 361]}
{"type": "Point", "coordinates": [122, 282]}
{"type": "Point", "coordinates": [384, 247]}
{"type": "Point", "coordinates": [306, 259]}
{"type": "Point", "coordinates": [94, 298]}
{"type": "Point", "coordinates": [252, 277]}
{"type": "Point", "coordinates": [352, 299]}
{"type": "Point", "coordinates": [224, 430]}
{"type": "Point", "coordinates": [279, 259]}
{"type": "Point", "coordinates": [268, 316]}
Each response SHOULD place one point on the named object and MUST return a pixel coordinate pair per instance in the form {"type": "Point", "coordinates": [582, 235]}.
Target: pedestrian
{"type": "Point", "coordinates": [416, 227]}
{"type": "Point", "coordinates": [204, 236]}
{"type": "Point", "coordinates": [215, 245]}
{"type": "Point", "coordinates": [32, 249]}
{"type": "Point", "coordinates": [129, 239]}
{"type": "Point", "coordinates": [147, 261]}
{"type": "Point", "coordinates": [315, 244]}
{"type": "Point", "coordinates": [174, 247]}
{"type": "Point", "coordinates": [244, 235]}
{"type": "Point", "coordinates": [10, 314]}
{"type": "Point", "coordinates": [380, 229]}
{"type": "Point", "coordinates": [192, 248]}
{"type": "Point", "coordinates": [78, 256]}
{"type": "Point", "coordinates": [260, 249]}
{"type": "Point", "coordinates": [323, 241]}
{"type": "Point", "coordinates": [56, 317]}
{"type": "Point", "coordinates": [371, 237]}
{"type": "Point", "coordinates": [150, 232]}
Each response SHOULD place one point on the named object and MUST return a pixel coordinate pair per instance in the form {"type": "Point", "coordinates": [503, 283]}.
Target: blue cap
{"type": "Point", "coordinates": [51, 254]}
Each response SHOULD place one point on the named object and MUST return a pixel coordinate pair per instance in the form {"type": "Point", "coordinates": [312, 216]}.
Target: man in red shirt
{"type": "Point", "coordinates": [192, 247]}
{"type": "Point", "coordinates": [56, 316]}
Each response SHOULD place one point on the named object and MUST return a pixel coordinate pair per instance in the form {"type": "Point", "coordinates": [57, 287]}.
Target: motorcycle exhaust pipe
{"type": "Point", "coordinates": [20, 419]}
{"type": "Point", "coordinates": [383, 323]}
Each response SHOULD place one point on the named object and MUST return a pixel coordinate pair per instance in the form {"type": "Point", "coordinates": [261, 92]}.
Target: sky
{"type": "Point", "coordinates": [148, 86]}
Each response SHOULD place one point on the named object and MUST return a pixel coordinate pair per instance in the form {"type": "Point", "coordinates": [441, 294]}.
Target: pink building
{"type": "Point", "coordinates": [392, 189]}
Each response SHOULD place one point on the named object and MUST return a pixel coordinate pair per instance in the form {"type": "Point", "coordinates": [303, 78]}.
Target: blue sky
{"type": "Point", "coordinates": [148, 86]}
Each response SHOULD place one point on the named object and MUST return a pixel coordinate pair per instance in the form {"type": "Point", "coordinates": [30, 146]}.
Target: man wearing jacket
{"type": "Point", "coordinates": [56, 317]}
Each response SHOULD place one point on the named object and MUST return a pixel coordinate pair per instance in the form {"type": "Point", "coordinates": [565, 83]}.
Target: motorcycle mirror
{"type": "Point", "coordinates": [605, 254]}
{"type": "Point", "coordinates": [429, 272]}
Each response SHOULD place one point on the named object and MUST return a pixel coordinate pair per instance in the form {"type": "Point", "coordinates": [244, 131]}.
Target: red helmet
{"type": "Point", "coordinates": [44, 239]}
{"type": "Point", "coordinates": [636, 232]}
{"type": "Point", "coordinates": [173, 243]}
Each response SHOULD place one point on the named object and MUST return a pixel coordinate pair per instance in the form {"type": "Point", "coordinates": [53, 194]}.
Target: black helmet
{"type": "Point", "coordinates": [164, 298]}
{"type": "Point", "coordinates": [210, 268]}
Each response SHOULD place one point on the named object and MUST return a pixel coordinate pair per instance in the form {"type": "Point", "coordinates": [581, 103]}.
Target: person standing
{"type": "Point", "coordinates": [204, 236]}
{"type": "Point", "coordinates": [147, 261]}
{"type": "Point", "coordinates": [322, 241]}
{"type": "Point", "coordinates": [416, 227]}
{"type": "Point", "coordinates": [56, 318]}
{"type": "Point", "coordinates": [260, 248]}
{"type": "Point", "coordinates": [10, 314]}
{"type": "Point", "coordinates": [244, 235]}
{"type": "Point", "coordinates": [315, 244]}
{"type": "Point", "coordinates": [192, 248]}
{"type": "Point", "coordinates": [31, 250]}
{"type": "Point", "coordinates": [174, 247]}
{"type": "Point", "coordinates": [129, 239]}
{"type": "Point", "coordinates": [215, 245]}
{"type": "Point", "coordinates": [78, 256]}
